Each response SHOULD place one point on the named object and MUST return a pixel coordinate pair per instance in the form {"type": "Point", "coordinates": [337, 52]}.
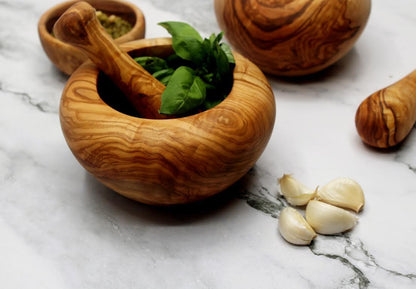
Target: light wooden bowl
{"type": "Point", "coordinates": [167, 161]}
{"type": "Point", "coordinates": [292, 37]}
{"type": "Point", "coordinates": [66, 57]}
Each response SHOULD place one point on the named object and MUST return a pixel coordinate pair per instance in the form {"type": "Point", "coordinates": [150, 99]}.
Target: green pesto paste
{"type": "Point", "coordinates": [114, 25]}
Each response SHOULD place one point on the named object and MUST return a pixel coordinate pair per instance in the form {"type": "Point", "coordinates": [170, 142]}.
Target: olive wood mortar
{"type": "Point", "coordinates": [292, 37]}
{"type": "Point", "coordinates": [166, 161]}
{"type": "Point", "coordinates": [66, 57]}
{"type": "Point", "coordinates": [386, 117]}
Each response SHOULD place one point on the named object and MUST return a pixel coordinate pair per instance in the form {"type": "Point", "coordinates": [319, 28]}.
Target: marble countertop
{"type": "Point", "coordinates": [60, 228]}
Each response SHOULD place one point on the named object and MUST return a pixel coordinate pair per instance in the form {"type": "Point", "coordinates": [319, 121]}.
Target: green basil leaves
{"type": "Point", "coordinates": [186, 41]}
{"type": "Point", "coordinates": [184, 92]}
{"type": "Point", "coordinates": [198, 76]}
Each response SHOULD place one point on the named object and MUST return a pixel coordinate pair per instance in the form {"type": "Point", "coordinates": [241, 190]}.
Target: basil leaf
{"type": "Point", "coordinates": [186, 41]}
{"type": "Point", "coordinates": [181, 30]}
{"type": "Point", "coordinates": [228, 53]}
{"type": "Point", "coordinates": [222, 64]}
{"type": "Point", "coordinates": [151, 64]}
{"type": "Point", "coordinates": [164, 75]}
{"type": "Point", "coordinates": [208, 77]}
{"type": "Point", "coordinates": [184, 92]}
{"type": "Point", "coordinates": [218, 38]}
{"type": "Point", "coordinates": [209, 47]}
{"type": "Point", "coordinates": [212, 38]}
{"type": "Point", "coordinates": [174, 61]}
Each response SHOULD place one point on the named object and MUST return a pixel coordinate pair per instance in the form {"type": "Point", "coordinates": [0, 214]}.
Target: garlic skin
{"type": "Point", "coordinates": [342, 192]}
{"type": "Point", "coordinates": [327, 219]}
{"type": "Point", "coordinates": [294, 228]}
{"type": "Point", "coordinates": [294, 191]}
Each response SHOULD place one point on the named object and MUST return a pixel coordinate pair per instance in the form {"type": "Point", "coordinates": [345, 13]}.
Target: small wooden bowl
{"type": "Point", "coordinates": [66, 57]}
{"type": "Point", "coordinates": [167, 161]}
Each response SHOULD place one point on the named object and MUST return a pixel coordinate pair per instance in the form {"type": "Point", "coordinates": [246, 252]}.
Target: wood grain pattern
{"type": "Point", "coordinates": [66, 57]}
{"type": "Point", "coordinates": [168, 161]}
{"type": "Point", "coordinates": [386, 117]}
{"type": "Point", "coordinates": [292, 37]}
{"type": "Point", "coordinates": [80, 27]}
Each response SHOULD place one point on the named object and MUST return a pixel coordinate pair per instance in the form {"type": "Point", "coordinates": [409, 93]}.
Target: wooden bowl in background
{"type": "Point", "coordinates": [66, 57]}
{"type": "Point", "coordinates": [167, 161]}
{"type": "Point", "coordinates": [292, 37]}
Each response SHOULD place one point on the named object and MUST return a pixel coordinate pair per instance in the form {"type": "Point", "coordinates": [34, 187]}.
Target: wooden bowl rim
{"type": "Point", "coordinates": [155, 42]}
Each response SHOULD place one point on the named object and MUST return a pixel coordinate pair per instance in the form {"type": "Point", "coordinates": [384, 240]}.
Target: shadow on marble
{"type": "Point", "coordinates": [59, 75]}
{"type": "Point", "coordinates": [346, 65]}
{"type": "Point", "coordinates": [114, 203]}
{"type": "Point", "coordinates": [402, 146]}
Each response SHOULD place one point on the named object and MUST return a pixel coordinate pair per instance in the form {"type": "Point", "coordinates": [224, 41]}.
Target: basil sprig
{"type": "Point", "coordinates": [197, 76]}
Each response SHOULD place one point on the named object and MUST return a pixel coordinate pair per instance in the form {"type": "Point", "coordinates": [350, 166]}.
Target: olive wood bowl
{"type": "Point", "coordinates": [66, 57]}
{"type": "Point", "coordinates": [292, 37]}
{"type": "Point", "coordinates": [167, 161]}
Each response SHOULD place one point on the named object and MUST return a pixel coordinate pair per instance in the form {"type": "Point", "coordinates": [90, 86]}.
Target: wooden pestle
{"type": "Point", "coordinates": [80, 27]}
{"type": "Point", "coordinates": [386, 117]}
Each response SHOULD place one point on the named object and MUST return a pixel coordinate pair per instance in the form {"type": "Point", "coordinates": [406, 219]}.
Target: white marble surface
{"type": "Point", "coordinates": [59, 228]}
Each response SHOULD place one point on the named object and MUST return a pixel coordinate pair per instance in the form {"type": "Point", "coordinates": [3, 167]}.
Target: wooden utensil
{"type": "Point", "coordinates": [80, 27]}
{"type": "Point", "coordinates": [164, 161]}
{"type": "Point", "coordinates": [66, 57]}
{"type": "Point", "coordinates": [386, 117]}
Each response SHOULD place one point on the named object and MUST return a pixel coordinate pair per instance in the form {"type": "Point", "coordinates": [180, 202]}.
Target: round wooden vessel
{"type": "Point", "coordinates": [167, 161]}
{"type": "Point", "coordinates": [292, 37]}
{"type": "Point", "coordinates": [66, 57]}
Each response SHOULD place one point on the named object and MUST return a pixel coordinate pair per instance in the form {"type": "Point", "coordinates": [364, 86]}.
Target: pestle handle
{"type": "Point", "coordinates": [80, 27]}
{"type": "Point", "coordinates": [386, 117]}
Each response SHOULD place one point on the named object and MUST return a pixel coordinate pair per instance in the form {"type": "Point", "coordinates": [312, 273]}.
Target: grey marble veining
{"type": "Point", "coordinates": [345, 248]}
{"type": "Point", "coordinates": [60, 228]}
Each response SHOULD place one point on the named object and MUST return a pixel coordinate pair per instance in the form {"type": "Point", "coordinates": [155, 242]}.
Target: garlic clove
{"type": "Point", "coordinates": [295, 192]}
{"type": "Point", "coordinates": [342, 192]}
{"type": "Point", "coordinates": [294, 228]}
{"type": "Point", "coordinates": [327, 219]}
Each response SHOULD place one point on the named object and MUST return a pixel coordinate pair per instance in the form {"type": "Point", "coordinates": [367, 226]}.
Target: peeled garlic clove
{"type": "Point", "coordinates": [327, 219]}
{"type": "Point", "coordinates": [342, 192]}
{"type": "Point", "coordinates": [295, 192]}
{"type": "Point", "coordinates": [294, 228]}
